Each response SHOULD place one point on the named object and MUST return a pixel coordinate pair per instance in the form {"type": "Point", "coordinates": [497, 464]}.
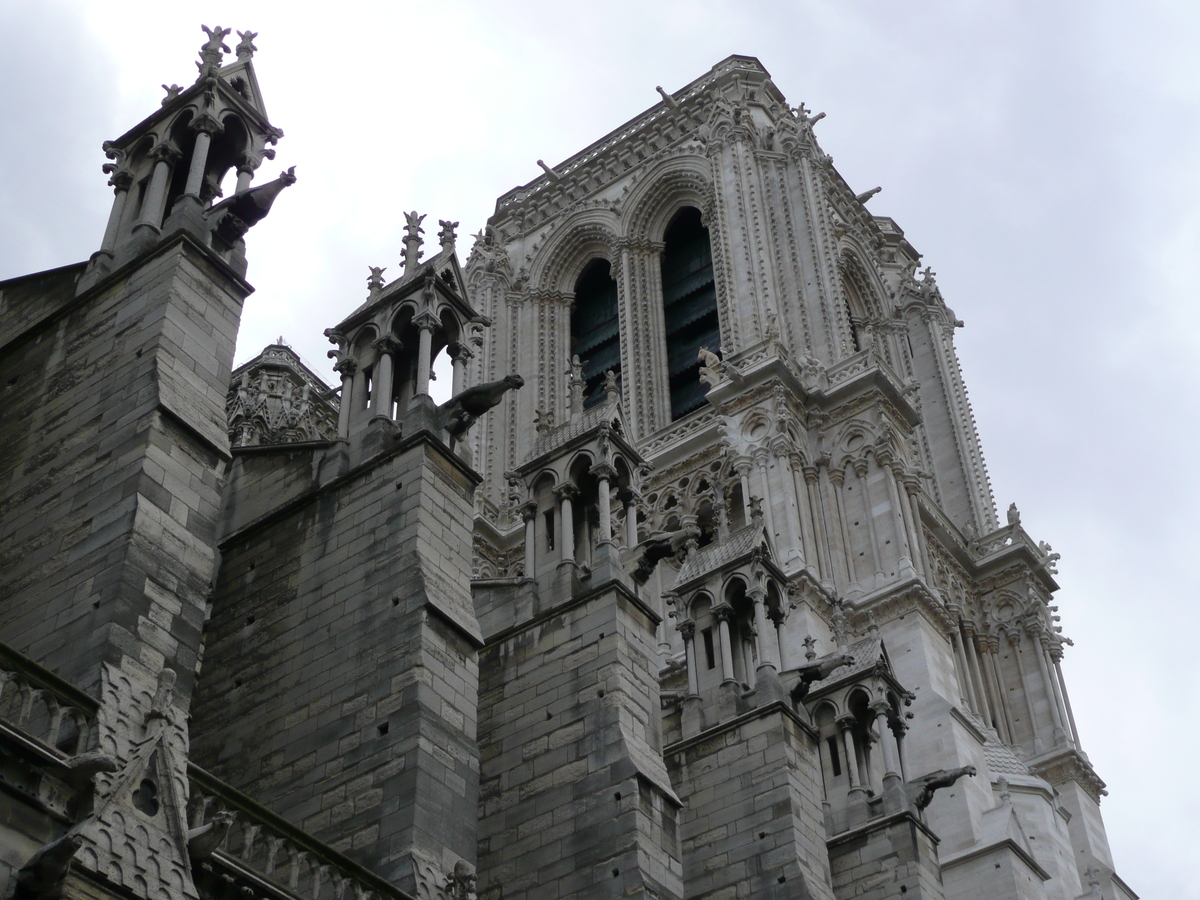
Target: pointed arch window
{"type": "Point", "coordinates": [689, 307]}
{"type": "Point", "coordinates": [595, 329]}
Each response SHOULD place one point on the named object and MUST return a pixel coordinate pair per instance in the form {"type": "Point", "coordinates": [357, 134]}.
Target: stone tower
{"type": "Point", "coordinates": [845, 625]}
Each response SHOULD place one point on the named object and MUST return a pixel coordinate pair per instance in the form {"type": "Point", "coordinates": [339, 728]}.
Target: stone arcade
{"type": "Point", "coordinates": [695, 588]}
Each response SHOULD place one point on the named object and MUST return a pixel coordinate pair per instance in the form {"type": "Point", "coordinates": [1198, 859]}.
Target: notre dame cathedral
{"type": "Point", "coordinates": [694, 588]}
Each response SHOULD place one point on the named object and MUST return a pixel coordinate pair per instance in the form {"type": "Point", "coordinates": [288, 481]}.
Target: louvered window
{"type": "Point", "coordinates": [689, 307]}
{"type": "Point", "coordinates": [595, 333]}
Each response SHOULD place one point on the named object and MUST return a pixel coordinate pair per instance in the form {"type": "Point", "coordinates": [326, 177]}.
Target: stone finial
{"type": "Point", "coordinates": [810, 644]}
{"type": "Point", "coordinates": [756, 511]}
{"type": "Point", "coordinates": [612, 389]}
{"type": "Point", "coordinates": [446, 235]}
{"type": "Point", "coordinates": [173, 91]}
{"type": "Point", "coordinates": [245, 48]}
{"type": "Point", "coordinates": [1014, 515]}
{"type": "Point", "coordinates": [667, 98]}
{"type": "Point", "coordinates": [213, 50]}
{"type": "Point", "coordinates": [549, 170]}
{"type": "Point", "coordinates": [204, 840]}
{"type": "Point", "coordinates": [1005, 794]}
{"type": "Point", "coordinates": [412, 240]}
{"type": "Point", "coordinates": [543, 421]}
{"type": "Point", "coordinates": [375, 280]}
{"type": "Point", "coordinates": [460, 883]}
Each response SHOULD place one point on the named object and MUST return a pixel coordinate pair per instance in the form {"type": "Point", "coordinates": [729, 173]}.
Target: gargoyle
{"type": "Point", "coordinates": [818, 670]}
{"type": "Point", "coordinates": [919, 791]}
{"type": "Point", "coordinates": [44, 873]}
{"type": "Point", "coordinates": [83, 768]}
{"type": "Point", "coordinates": [460, 412]}
{"type": "Point", "coordinates": [203, 840]}
{"type": "Point", "coordinates": [235, 215]}
{"type": "Point", "coordinates": [661, 545]}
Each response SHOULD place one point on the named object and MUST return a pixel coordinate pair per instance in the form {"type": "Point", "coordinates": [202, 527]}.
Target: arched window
{"type": "Point", "coordinates": [595, 331]}
{"type": "Point", "coordinates": [689, 307]}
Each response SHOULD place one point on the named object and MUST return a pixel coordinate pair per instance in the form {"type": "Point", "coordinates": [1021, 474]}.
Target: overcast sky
{"type": "Point", "coordinates": [1044, 156]}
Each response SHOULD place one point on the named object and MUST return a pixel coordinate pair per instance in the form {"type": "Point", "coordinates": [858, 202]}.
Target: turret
{"type": "Point", "coordinates": [169, 171]}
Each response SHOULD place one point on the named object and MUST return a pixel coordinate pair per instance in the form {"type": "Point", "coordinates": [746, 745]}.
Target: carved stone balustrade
{"type": "Point", "coordinates": [271, 857]}
{"type": "Point", "coordinates": [43, 706]}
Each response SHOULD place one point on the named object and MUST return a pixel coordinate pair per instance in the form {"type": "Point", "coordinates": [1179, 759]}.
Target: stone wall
{"type": "Point", "coordinates": [752, 794]}
{"type": "Point", "coordinates": [340, 673]}
{"type": "Point", "coordinates": [575, 800]}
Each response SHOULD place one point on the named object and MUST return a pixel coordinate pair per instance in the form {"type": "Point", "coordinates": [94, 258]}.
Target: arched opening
{"type": "Point", "coordinates": [689, 307]}
{"type": "Point", "coordinates": [595, 329]}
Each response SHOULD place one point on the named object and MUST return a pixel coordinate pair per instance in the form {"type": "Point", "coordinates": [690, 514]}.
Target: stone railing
{"type": "Point", "coordinates": [860, 362]}
{"type": "Point", "coordinates": [1005, 537]}
{"type": "Point", "coordinates": [277, 851]}
{"type": "Point", "coordinates": [43, 706]}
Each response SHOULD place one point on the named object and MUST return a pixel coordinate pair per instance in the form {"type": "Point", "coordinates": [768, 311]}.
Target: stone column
{"type": "Point", "coordinates": [846, 723]}
{"type": "Point", "coordinates": [742, 466]}
{"type": "Point", "coordinates": [346, 368]}
{"type": "Point", "coordinates": [901, 728]}
{"type": "Point", "coordinates": [205, 127]}
{"type": "Point", "coordinates": [760, 458]}
{"type": "Point", "coordinates": [529, 514]}
{"type": "Point", "coordinates": [381, 399]}
{"type": "Point", "coordinates": [121, 182]}
{"type": "Point", "coordinates": [687, 628]}
{"type": "Point", "coordinates": [566, 527]}
{"type": "Point", "coordinates": [605, 474]}
{"type": "Point", "coordinates": [964, 676]}
{"type": "Point", "coordinates": [975, 673]}
{"type": "Point", "coordinates": [900, 521]}
{"type": "Point", "coordinates": [629, 496]}
{"type": "Point", "coordinates": [1051, 689]}
{"type": "Point", "coordinates": [723, 613]}
{"type": "Point", "coordinates": [247, 165]}
{"type": "Point", "coordinates": [861, 467]}
{"type": "Point", "coordinates": [822, 549]}
{"type": "Point", "coordinates": [908, 497]}
{"type": "Point", "coordinates": [1014, 641]}
{"type": "Point", "coordinates": [768, 647]}
{"type": "Point", "coordinates": [165, 156]}
{"type": "Point", "coordinates": [783, 459]}
{"type": "Point", "coordinates": [992, 644]}
{"type": "Point", "coordinates": [808, 530]}
{"type": "Point", "coordinates": [459, 354]}
{"type": "Point", "coordinates": [427, 322]}
{"type": "Point", "coordinates": [1062, 685]}
{"type": "Point", "coordinates": [837, 478]}
{"type": "Point", "coordinates": [890, 768]}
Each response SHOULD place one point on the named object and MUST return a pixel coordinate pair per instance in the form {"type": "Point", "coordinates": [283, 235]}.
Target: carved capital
{"type": "Point", "coordinates": [426, 321]}
{"type": "Point", "coordinates": [845, 723]}
{"type": "Point", "coordinates": [165, 152]}
{"type": "Point", "coordinates": [687, 628]}
{"type": "Point", "coordinates": [566, 491]}
{"type": "Point", "coordinates": [346, 367]}
{"type": "Point", "coordinates": [460, 350]}
{"type": "Point", "coordinates": [387, 344]}
{"type": "Point", "coordinates": [722, 612]}
{"type": "Point", "coordinates": [529, 511]}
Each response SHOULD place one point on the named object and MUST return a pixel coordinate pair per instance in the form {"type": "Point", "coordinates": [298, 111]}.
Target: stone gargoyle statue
{"type": "Point", "coordinates": [919, 792]}
{"type": "Point", "coordinates": [460, 412]}
{"type": "Point", "coordinates": [661, 545]}
{"type": "Point", "coordinates": [818, 670]}
{"type": "Point", "coordinates": [205, 839]}
{"type": "Point", "coordinates": [43, 875]}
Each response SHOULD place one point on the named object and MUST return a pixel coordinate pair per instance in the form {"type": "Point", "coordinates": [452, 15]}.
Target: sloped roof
{"type": "Point", "coordinates": [719, 553]}
{"type": "Point", "coordinates": [1002, 761]}
{"type": "Point", "coordinates": [866, 652]}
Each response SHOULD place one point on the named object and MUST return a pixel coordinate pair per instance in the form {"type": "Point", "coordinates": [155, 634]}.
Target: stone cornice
{"type": "Point", "coordinates": [1069, 765]}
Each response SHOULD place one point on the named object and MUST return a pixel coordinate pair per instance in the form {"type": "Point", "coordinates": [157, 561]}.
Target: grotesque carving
{"type": "Point", "coordinates": [661, 545]}
{"type": "Point", "coordinates": [818, 670]}
{"type": "Point", "coordinates": [44, 873]}
{"type": "Point", "coordinates": [920, 791]}
{"type": "Point", "coordinates": [205, 839]}
{"type": "Point", "coordinates": [461, 412]}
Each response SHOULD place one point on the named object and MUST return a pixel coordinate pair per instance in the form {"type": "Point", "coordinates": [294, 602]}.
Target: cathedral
{"type": "Point", "coordinates": [694, 588]}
